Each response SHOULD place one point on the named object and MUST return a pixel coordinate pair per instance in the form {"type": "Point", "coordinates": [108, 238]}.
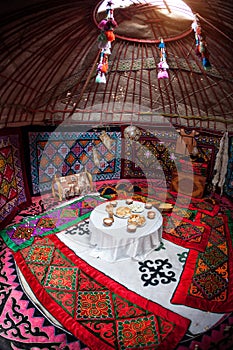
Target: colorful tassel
{"type": "Point", "coordinates": [105, 39]}
{"type": "Point", "coordinates": [162, 74]}
{"type": "Point", "coordinates": [162, 65]}
{"type": "Point", "coordinates": [103, 78]}
{"type": "Point", "coordinates": [206, 63]}
{"type": "Point", "coordinates": [102, 24]}
{"type": "Point", "coordinates": [201, 45]}
{"type": "Point", "coordinates": [110, 35]}
{"type": "Point", "coordinates": [98, 78]}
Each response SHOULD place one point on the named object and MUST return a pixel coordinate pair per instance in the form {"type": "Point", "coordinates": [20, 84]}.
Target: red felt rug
{"type": "Point", "coordinates": [22, 324]}
{"type": "Point", "coordinates": [207, 279]}
{"type": "Point", "coordinates": [99, 311]}
{"type": "Point", "coordinates": [186, 233]}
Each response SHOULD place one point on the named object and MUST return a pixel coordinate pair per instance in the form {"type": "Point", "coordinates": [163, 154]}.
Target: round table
{"type": "Point", "coordinates": [114, 242]}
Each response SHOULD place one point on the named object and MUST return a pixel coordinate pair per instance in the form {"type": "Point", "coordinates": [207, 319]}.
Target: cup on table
{"type": "Point", "coordinates": [108, 221]}
{"type": "Point", "coordinates": [131, 228]}
{"type": "Point", "coordinates": [151, 214]}
{"type": "Point", "coordinates": [148, 205]}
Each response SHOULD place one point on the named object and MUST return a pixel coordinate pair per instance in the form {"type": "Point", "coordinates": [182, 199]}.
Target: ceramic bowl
{"type": "Point", "coordinates": [108, 221]}
{"type": "Point", "coordinates": [151, 214]}
{"type": "Point", "coordinates": [131, 228]}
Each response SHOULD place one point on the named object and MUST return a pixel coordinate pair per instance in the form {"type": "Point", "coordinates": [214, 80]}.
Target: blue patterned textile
{"type": "Point", "coordinates": [69, 153]}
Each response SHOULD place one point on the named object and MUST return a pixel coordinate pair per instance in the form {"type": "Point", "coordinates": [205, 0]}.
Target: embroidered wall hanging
{"type": "Point", "coordinates": [14, 193]}
{"type": "Point", "coordinates": [70, 152]}
{"type": "Point", "coordinates": [154, 155]}
{"type": "Point", "coordinates": [150, 157]}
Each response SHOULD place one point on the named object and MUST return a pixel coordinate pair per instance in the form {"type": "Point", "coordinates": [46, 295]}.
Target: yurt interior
{"type": "Point", "coordinates": [116, 175]}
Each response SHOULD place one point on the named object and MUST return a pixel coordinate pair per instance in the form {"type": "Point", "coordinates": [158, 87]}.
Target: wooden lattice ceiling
{"type": "Point", "coordinates": [48, 63]}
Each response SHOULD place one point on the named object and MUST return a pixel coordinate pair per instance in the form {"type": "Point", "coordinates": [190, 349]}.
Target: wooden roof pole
{"type": "Point", "coordinates": [94, 66]}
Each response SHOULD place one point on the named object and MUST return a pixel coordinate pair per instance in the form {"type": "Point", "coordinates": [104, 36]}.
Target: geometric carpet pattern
{"type": "Point", "coordinates": [22, 234]}
{"type": "Point", "coordinates": [22, 325]}
{"type": "Point", "coordinates": [27, 327]}
{"type": "Point", "coordinates": [70, 152]}
{"type": "Point", "coordinates": [13, 185]}
{"type": "Point", "coordinates": [98, 310]}
{"type": "Point", "coordinates": [207, 281]}
{"type": "Point", "coordinates": [184, 232]}
{"type": "Point", "coordinates": [220, 335]}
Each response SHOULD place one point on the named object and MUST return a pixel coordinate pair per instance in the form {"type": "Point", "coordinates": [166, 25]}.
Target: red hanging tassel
{"type": "Point", "coordinates": [110, 35]}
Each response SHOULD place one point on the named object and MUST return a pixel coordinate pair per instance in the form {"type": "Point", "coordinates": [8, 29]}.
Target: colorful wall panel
{"type": "Point", "coordinates": [14, 194]}
{"type": "Point", "coordinates": [154, 155]}
{"type": "Point", "coordinates": [69, 152]}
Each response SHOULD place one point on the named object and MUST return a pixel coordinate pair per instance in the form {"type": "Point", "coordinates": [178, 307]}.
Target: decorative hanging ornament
{"type": "Point", "coordinates": [162, 74]}
{"type": "Point", "coordinates": [110, 35]}
{"type": "Point", "coordinates": [200, 44]}
{"type": "Point", "coordinates": [104, 40]}
{"type": "Point", "coordinates": [106, 139]}
{"type": "Point", "coordinates": [163, 66]}
{"type": "Point", "coordinates": [132, 133]}
{"type": "Point", "coordinates": [102, 24]}
{"type": "Point", "coordinates": [100, 78]}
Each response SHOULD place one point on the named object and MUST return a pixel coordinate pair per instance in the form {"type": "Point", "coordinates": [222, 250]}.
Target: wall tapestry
{"type": "Point", "coordinates": [154, 155]}
{"type": "Point", "coordinates": [14, 193]}
{"type": "Point", "coordinates": [150, 157]}
{"type": "Point", "coordinates": [228, 188]}
{"type": "Point", "coordinates": [65, 153]}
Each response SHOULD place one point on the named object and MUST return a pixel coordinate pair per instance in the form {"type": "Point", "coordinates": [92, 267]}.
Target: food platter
{"type": "Point", "coordinates": [122, 212]}
{"type": "Point", "coordinates": [166, 207]}
{"type": "Point", "coordinates": [137, 219]}
{"type": "Point", "coordinates": [137, 207]}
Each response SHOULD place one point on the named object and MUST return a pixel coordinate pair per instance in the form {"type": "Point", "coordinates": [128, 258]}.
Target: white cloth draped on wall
{"type": "Point", "coordinates": [221, 163]}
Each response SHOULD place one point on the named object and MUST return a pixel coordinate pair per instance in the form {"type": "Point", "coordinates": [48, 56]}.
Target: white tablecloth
{"type": "Point", "coordinates": [116, 243]}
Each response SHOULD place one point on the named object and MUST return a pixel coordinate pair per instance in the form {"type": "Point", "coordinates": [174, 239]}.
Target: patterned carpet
{"type": "Point", "coordinates": [25, 326]}
{"type": "Point", "coordinates": [95, 308]}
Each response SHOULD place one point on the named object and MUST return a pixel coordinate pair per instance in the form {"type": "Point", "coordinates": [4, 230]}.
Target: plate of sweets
{"type": "Point", "coordinates": [166, 207]}
{"type": "Point", "coordinates": [137, 207]}
{"type": "Point", "coordinates": [137, 219]}
{"type": "Point", "coordinates": [122, 212]}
